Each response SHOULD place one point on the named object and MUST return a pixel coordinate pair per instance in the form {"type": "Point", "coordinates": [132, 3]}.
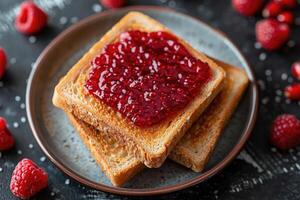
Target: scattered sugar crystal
{"type": "Point", "coordinates": [52, 194]}
{"type": "Point", "coordinates": [273, 149]}
{"type": "Point", "coordinates": [279, 92]}
{"type": "Point", "coordinates": [63, 20]}
{"type": "Point", "coordinates": [287, 101]}
{"type": "Point", "coordinates": [277, 99]}
{"type": "Point", "coordinates": [290, 80]}
{"type": "Point", "coordinates": [262, 56]}
{"type": "Point", "coordinates": [13, 60]}
{"type": "Point", "coordinates": [265, 100]}
{"type": "Point", "coordinates": [67, 182]}
{"type": "Point", "coordinates": [291, 43]}
{"type": "Point", "coordinates": [30, 146]}
{"type": "Point", "coordinates": [32, 39]}
{"type": "Point", "coordinates": [1, 169]}
{"type": "Point", "coordinates": [19, 152]}
{"type": "Point", "coordinates": [23, 119]}
{"type": "Point", "coordinates": [284, 76]}
{"type": "Point", "coordinates": [268, 72]}
{"type": "Point", "coordinates": [17, 98]}
{"type": "Point", "coordinates": [257, 45]}
{"type": "Point", "coordinates": [22, 106]}
{"type": "Point", "coordinates": [43, 158]}
{"type": "Point", "coordinates": [74, 20]}
{"type": "Point", "coordinates": [97, 8]}
{"type": "Point", "coordinates": [16, 124]}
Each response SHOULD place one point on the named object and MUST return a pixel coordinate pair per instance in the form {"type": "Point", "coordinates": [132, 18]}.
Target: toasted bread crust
{"type": "Point", "coordinates": [100, 148]}
{"type": "Point", "coordinates": [151, 145]}
{"type": "Point", "coordinates": [206, 139]}
{"type": "Point", "coordinates": [196, 147]}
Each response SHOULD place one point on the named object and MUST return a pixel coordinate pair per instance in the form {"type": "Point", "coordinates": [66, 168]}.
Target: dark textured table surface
{"type": "Point", "coordinates": [259, 172]}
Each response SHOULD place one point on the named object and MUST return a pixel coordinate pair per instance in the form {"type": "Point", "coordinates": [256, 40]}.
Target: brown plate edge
{"type": "Point", "coordinates": [162, 190]}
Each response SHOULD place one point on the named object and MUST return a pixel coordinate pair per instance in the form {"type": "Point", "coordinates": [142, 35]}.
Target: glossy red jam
{"type": "Point", "coordinates": [146, 77]}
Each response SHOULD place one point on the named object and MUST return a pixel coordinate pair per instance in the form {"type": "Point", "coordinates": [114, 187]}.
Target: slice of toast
{"type": "Point", "coordinates": [194, 149]}
{"type": "Point", "coordinates": [150, 145]}
{"type": "Point", "coordinates": [197, 145]}
{"type": "Point", "coordinates": [110, 154]}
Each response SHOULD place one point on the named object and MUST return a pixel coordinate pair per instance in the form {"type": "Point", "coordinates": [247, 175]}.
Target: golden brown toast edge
{"type": "Point", "coordinates": [180, 153]}
{"type": "Point", "coordinates": [182, 124]}
{"type": "Point", "coordinates": [207, 129]}
{"type": "Point", "coordinates": [94, 140]}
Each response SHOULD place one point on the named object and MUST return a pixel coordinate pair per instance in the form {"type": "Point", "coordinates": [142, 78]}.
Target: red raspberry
{"type": "Point", "coordinates": [296, 70]}
{"type": "Point", "coordinates": [3, 61]}
{"type": "Point", "coordinates": [247, 7]}
{"type": "Point", "coordinates": [6, 139]}
{"type": "Point", "coordinates": [113, 3]}
{"type": "Point", "coordinates": [286, 17]}
{"type": "Point", "coordinates": [293, 91]}
{"type": "Point", "coordinates": [285, 132]}
{"type": "Point", "coordinates": [272, 34]}
{"type": "Point", "coordinates": [27, 179]}
{"type": "Point", "coordinates": [288, 3]}
{"type": "Point", "coordinates": [272, 9]}
{"type": "Point", "coordinates": [31, 19]}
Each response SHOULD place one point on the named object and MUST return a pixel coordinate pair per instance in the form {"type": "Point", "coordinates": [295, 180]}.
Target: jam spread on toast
{"type": "Point", "coordinates": [146, 76]}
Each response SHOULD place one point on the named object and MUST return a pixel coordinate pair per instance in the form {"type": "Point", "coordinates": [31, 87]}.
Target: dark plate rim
{"type": "Point", "coordinates": [154, 191]}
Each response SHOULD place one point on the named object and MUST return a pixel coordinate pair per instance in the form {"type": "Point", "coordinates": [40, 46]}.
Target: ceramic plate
{"type": "Point", "coordinates": [56, 136]}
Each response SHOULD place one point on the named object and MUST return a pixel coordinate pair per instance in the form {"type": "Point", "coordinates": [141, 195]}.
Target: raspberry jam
{"type": "Point", "coordinates": [146, 77]}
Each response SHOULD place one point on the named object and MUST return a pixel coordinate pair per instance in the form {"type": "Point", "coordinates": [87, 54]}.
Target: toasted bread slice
{"type": "Point", "coordinates": [194, 149]}
{"type": "Point", "coordinates": [150, 145]}
{"type": "Point", "coordinates": [118, 165]}
{"type": "Point", "coordinates": [197, 145]}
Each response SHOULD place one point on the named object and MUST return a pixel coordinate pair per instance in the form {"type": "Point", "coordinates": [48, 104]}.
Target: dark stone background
{"type": "Point", "coordinates": [259, 172]}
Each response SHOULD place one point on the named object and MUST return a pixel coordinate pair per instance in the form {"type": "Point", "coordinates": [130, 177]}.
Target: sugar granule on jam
{"type": "Point", "coordinates": [147, 77]}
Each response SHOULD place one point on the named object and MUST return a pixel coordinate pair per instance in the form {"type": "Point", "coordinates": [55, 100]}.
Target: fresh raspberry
{"type": "Point", "coordinates": [272, 9]}
{"type": "Point", "coordinates": [288, 3]}
{"type": "Point", "coordinates": [31, 19]}
{"type": "Point", "coordinates": [286, 17]}
{"type": "Point", "coordinates": [285, 132]}
{"type": "Point", "coordinates": [3, 61]}
{"type": "Point", "coordinates": [247, 7]}
{"type": "Point", "coordinates": [272, 34]}
{"type": "Point", "coordinates": [6, 139]}
{"type": "Point", "coordinates": [293, 91]}
{"type": "Point", "coordinates": [296, 70]}
{"type": "Point", "coordinates": [27, 179]}
{"type": "Point", "coordinates": [113, 3]}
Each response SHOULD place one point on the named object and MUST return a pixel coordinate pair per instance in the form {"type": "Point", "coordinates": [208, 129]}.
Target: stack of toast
{"type": "Point", "coordinates": [122, 148]}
